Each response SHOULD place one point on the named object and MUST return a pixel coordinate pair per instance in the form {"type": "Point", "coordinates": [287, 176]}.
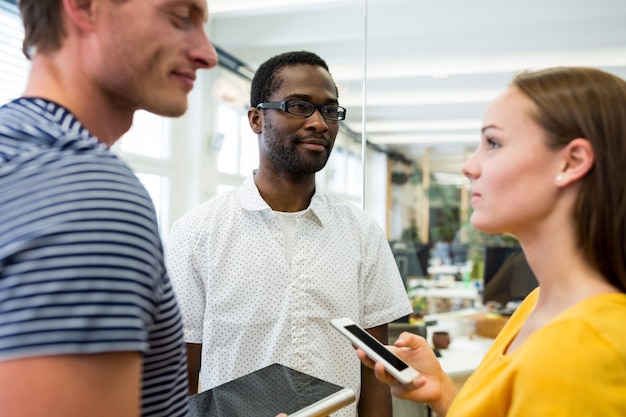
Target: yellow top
{"type": "Point", "coordinates": [573, 366]}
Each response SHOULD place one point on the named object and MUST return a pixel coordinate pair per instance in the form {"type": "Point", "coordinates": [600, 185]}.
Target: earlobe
{"type": "Point", "coordinates": [254, 118]}
{"type": "Point", "coordinates": [579, 159]}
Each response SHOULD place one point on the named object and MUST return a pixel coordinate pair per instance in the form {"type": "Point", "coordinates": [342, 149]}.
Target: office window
{"type": "Point", "coordinates": [147, 136]}
{"type": "Point", "coordinates": [249, 148]}
{"type": "Point", "coordinates": [354, 175]}
{"type": "Point", "coordinates": [337, 171]}
{"type": "Point", "coordinates": [235, 141]}
{"type": "Point", "coordinates": [226, 139]}
{"type": "Point", "coordinates": [13, 65]}
{"type": "Point", "coordinates": [345, 173]}
{"type": "Point", "coordinates": [146, 148]}
{"type": "Point", "coordinates": [158, 187]}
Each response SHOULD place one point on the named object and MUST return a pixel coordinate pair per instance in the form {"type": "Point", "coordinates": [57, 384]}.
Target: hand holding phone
{"type": "Point", "coordinates": [375, 350]}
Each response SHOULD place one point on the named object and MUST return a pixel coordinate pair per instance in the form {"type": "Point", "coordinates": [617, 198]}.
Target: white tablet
{"type": "Point", "coordinates": [375, 350]}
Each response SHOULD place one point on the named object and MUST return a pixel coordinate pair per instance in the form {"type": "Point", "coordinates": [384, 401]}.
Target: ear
{"type": "Point", "coordinates": [81, 13]}
{"type": "Point", "coordinates": [255, 118]}
{"type": "Point", "coordinates": [578, 160]}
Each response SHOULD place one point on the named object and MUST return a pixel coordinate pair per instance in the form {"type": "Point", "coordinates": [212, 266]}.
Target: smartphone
{"type": "Point", "coordinates": [375, 350]}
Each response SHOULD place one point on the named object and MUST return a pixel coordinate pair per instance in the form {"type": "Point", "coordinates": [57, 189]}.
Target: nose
{"type": "Point", "coordinates": [202, 52]}
{"type": "Point", "coordinates": [316, 121]}
{"type": "Point", "coordinates": [470, 167]}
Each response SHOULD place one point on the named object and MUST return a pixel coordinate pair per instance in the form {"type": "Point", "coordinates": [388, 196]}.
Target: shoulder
{"type": "Point", "coordinates": [590, 335]}
{"type": "Point", "coordinates": [602, 318]}
{"type": "Point", "coordinates": [342, 210]}
{"type": "Point", "coordinates": [208, 218]}
{"type": "Point", "coordinates": [32, 124]}
{"type": "Point", "coordinates": [215, 207]}
{"type": "Point", "coordinates": [80, 179]}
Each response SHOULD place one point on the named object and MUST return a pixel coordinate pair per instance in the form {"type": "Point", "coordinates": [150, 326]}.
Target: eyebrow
{"type": "Point", "coordinates": [489, 127]}
{"type": "Point", "coordinates": [194, 8]}
{"type": "Point", "coordinates": [201, 11]}
{"type": "Point", "coordinates": [306, 97]}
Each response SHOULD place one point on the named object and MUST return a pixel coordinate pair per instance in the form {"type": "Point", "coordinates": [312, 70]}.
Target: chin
{"type": "Point", "coordinates": [483, 225]}
{"type": "Point", "coordinates": [168, 106]}
{"type": "Point", "coordinates": [176, 112]}
{"type": "Point", "coordinates": [170, 110]}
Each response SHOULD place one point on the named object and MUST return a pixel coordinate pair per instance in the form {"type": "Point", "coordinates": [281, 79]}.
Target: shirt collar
{"type": "Point", "coordinates": [56, 124]}
{"type": "Point", "coordinates": [251, 200]}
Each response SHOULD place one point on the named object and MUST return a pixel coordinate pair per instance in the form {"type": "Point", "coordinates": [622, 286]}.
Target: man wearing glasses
{"type": "Point", "coordinates": [260, 271]}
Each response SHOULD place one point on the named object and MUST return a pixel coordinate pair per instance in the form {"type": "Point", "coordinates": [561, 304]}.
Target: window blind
{"type": "Point", "coordinates": [13, 65]}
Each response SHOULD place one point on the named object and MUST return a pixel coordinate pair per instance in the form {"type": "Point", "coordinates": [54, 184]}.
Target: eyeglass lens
{"type": "Point", "coordinates": [304, 108]}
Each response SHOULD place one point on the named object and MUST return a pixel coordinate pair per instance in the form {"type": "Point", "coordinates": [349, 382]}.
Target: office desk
{"type": "Point", "coordinates": [441, 297]}
{"type": "Point", "coordinates": [457, 290]}
{"type": "Point", "coordinates": [449, 269]}
{"type": "Point", "coordinates": [463, 355]}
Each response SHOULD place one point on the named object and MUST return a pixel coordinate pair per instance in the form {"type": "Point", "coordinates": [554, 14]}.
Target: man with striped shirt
{"type": "Point", "coordinates": [89, 325]}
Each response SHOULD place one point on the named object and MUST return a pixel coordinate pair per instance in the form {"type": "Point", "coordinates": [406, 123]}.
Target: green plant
{"type": "Point", "coordinates": [402, 177]}
{"type": "Point", "coordinates": [445, 220]}
{"type": "Point", "coordinates": [411, 233]}
{"type": "Point", "coordinates": [418, 302]}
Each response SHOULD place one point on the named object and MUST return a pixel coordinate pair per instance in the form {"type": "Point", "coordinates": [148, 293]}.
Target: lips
{"type": "Point", "coordinates": [315, 141]}
{"type": "Point", "coordinates": [186, 77]}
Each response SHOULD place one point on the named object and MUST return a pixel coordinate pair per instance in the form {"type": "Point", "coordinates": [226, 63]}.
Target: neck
{"type": "Point", "coordinates": [59, 78]}
{"type": "Point", "coordinates": [564, 274]}
{"type": "Point", "coordinates": [283, 193]}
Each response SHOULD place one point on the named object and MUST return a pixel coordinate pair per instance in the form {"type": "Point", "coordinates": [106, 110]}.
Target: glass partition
{"type": "Point", "coordinates": [391, 186]}
{"type": "Point", "coordinates": [247, 36]}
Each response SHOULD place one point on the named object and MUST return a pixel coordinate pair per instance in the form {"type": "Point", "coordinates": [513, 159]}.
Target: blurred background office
{"type": "Point", "coordinates": [415, 76]}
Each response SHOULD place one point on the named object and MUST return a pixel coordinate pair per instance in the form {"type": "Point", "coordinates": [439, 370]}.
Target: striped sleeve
{"type": "Point", "coordinates": [79, 257]}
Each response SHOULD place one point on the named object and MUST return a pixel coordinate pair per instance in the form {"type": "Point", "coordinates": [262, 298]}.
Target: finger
{"type": "Point", "coordinates": [410, 340]}
{"type": "Point", "coordinates": [382, 374]}
{"type": "Point", "coordinates": [364, 358]}
{"type": "Point", "coordinates": [419, 382]}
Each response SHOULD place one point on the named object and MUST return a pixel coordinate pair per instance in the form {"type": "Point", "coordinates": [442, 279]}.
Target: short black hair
{"type": "Point", "coordinates": [265, 82]}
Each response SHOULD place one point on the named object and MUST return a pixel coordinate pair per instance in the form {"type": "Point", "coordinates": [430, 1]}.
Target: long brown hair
{"type": "Point", "coordinates": [589, 103]}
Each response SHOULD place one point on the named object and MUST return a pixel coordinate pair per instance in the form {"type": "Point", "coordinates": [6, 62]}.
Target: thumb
{"type": "Point", "coordinates": [410, 340]}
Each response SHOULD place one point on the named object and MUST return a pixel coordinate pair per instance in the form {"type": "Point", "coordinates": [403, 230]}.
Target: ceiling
{"type": "Point", "coordinates": [432, 66]}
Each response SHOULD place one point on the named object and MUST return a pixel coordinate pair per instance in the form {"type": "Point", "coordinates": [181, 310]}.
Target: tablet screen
{"type": "Point", "coordinates": [266, 392]}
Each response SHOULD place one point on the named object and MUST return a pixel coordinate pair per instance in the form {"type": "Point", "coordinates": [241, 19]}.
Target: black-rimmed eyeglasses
{"type": "Point", "coordinates": [305, 109]}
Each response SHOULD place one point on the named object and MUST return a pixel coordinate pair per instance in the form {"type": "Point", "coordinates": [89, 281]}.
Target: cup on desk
{"type": "Point", "coordinates": [467, 327]}
{"type": "Point", "coordinates": [441, 340]}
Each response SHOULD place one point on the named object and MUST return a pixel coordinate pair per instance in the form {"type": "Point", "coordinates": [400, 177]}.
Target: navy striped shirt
{"type": "Point", "coordinates": [81, 262]}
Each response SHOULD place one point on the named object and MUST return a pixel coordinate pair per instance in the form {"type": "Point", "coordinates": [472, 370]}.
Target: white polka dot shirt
{"type": "Point", "coordinates": [250, 307]}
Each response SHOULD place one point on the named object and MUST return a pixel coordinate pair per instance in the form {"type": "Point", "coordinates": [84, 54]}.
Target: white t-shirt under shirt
{"type": "Point", "coordinates": [288, 226]}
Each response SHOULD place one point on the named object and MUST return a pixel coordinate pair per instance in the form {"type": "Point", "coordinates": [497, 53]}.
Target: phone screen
{"type": "Point", "coordinates": [377, 347]}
